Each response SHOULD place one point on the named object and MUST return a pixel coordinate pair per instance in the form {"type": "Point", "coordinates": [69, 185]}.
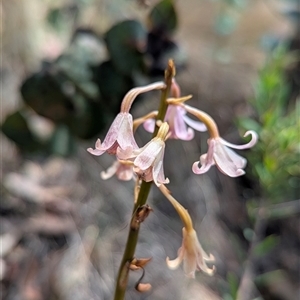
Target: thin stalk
{"type": "Point", "coordinates": [133, 234]}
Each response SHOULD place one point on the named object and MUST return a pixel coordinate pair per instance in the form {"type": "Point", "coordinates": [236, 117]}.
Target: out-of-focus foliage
{"type": "Point", "coordinates": [81, 90]}
{"type": "Point", "coordinates": [16, 128]}
{"type": "Point", "coordinates": [275, 159]}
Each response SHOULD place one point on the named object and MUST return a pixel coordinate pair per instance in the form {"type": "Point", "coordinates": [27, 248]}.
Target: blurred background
{"type": "Point", "coordinates": [65, 67]}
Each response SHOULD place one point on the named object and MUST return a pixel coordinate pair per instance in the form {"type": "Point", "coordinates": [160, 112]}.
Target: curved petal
{"type": "Point", "coordinates": [201, 265]}
{"type": "Point", "coordinates": [199, 126]}
{"type": "Point", "coordinates": [98, 149]}
{"type": "Point", "coordinates": [206, 160]}
{"type": "Point", "coordinates": [113, 132]}
{"type": "Point", "coordinates": [205, 166]}
{"type": "Point", "coordinates": [175, 263]}
{"type": "Point", "coordinates": [180, 128]}
{"type": "Point", "coordinates": [158, 170]}
{"type": "Point", "coordinates": [146, 157]}
{"type": "Point", "coordinates": [110, 171]}
{"type": "Point", "coordinates": [228, 161]}
{"type": "Point", "coordinates": [125, 134]}
{"type": "Point", "coordinates": [254, 139]}
{"type": "Point", "coordinates": [202, 257]}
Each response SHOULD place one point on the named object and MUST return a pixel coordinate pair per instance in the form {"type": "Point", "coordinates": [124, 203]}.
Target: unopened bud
{"type": "Point", "coordinates": [143, 287]}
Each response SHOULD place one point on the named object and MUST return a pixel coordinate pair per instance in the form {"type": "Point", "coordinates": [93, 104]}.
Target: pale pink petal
{"type": "Point", "coordinates": [204, 166]}
{"type": "Point", "coordinates": [175, 263]}
{"type": "Point", "coordinates": [125, 133]}
{"type": "Point", "coordinates": [125, 154]}
{"type": "Point", "coordinates": [192, 255]}
{"type": "Point", "coordinates": [120, 134]}
{"type": "Point", "coordinates": [228, 161]}
{"type": "Point", "coordinates": [202, 257]}
{"type": "Point", "coordinates": [97, 151]}
{"type": "Point", "coordinates": [113, 148]}
{"type": "Point", "coordinates": [181, 130]}
{"type": "Point", "coordinates": [206, 160]}
{"type": "Point", "coordinates": [113, 132]}
{"type": "Point", "coordinates": [148, 154]}
{"type": "Point", "coordinates": [110, 171]}
{"type": "Point", "coordinates": [158, 170]}
{"type": "Point", "coordinates": [125, 173]}
{"type": "Point", "coordinates": [254, 139]}
{"type": "Point", "coordinates": [199, 126]}
{"type": "Point", "coordinates": [189, 264]}
{"type": "Point", "coordinates": [149, 125]}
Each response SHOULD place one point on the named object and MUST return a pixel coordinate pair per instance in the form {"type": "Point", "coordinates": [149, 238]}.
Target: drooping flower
{"type": "Point", "coordinates": [122, 169]}
{"type": "Point", "coordinates": [120, 134]}
{"type": "Point", "coordinates": [192, 255]}
{"type": "Point", "coordinates": [178, 121]}
{"type": "Point", "coordinates": [148, 160]}
{"type": "Point", "coordinates": [227, 161]}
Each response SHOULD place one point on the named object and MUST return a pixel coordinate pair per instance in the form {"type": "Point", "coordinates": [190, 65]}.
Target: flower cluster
{"type": "Point", "coordinates": [146, 163]}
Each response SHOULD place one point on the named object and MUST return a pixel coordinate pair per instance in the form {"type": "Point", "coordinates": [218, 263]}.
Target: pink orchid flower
{"type": "Point", "coordinates": [148, 160]}
{"type": "Point", "coordinates": [227, 161]}
{"type": "Point", "coordinates": [122, 169]}
{"type": "Point", "coordinates": [120, 134]}
{"type": "Point", "coordinates": [192, 254]}
{"type": "Point", "coordinates": [178, 121]}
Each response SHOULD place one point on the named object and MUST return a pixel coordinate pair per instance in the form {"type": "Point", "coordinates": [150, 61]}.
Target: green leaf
{"type": "Point", "coordinates": [15, 127]}
{"type": "Point", "coordinates": [249, 124]}
{"type": "Point", "coordinates": [89, 120]}
{"type": "Point", "coordinates": [233, 282]}
{"type": "Point", "coordinates": [48, 95]}
{"type": "Point", "coordinates": [126, 43]}
{"type": "Point", "coordinates": [266, 245]}
{"type": "Point", "coordinates": [62, 143]}
{"type": "Point", "coordinates": [63, 17]}
{"type": "Point", "coordinates": [163, 17]}
{"type": "Point", "coordinates": [113, 85]}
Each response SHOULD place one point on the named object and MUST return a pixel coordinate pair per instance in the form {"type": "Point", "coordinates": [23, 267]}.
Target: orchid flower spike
{"type": "Point", "coordinates": [120, 133]}
{"type": "Point", "coordinates": [148, 160]}
{"type": "Point", "coordinates": [191, 253]}
{"type": "Point", "coordinates": [227, 161]}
